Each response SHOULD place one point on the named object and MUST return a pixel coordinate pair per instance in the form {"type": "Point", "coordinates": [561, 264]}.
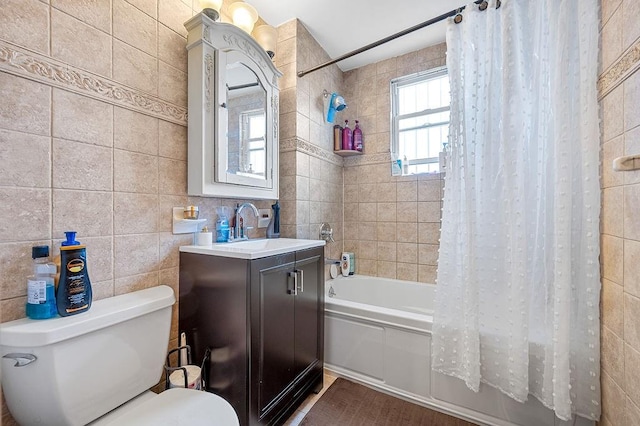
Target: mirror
{"type": "Point", "coordinates": [233, 113]}
{"type": "Point", "coordinates": [247, 129]}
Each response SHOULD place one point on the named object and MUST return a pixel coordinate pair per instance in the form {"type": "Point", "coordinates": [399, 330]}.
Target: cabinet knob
{"type": "Point", "coordinates": [223, 105]}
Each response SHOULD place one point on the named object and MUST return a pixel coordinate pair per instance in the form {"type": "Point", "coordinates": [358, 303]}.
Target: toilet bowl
{"type": "Point", "coordinates": [96, 368]}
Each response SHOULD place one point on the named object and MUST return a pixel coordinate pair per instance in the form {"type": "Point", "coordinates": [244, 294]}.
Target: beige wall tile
{"type": "Point", "coordinates": [12, 309]}
{"type": "Point", "coordinates": [386, 269]}
{"type": "Point", "coordinates": [632, 413]}
{"type": "Point", "coordinates": [134, 27]}
{"type": "Point", "coordinates": [428, 254]}
{"type": "Point", "coordinates": [407, 271]}
{"type": "Point", "coordinates": [612, 348]}
{"type": "Point", "coordinates": [90, 213]}
{"type": "Point", "coordinates": [613, 400]}
{"type": "Point", "coordinates": [612, 114]}
{"type": "Point", "coordinates": [169, 249]}
{"type": "Point", "coordinates": [631, 209]}
{"type": "Point", "coordinates": [25, 160]}
{"type": "Point", "coordinates": [135, 172]}
{"type": "Point", "coordinates": [407, 252]}
{"type": "Point", "coordinates": [611, 39]}
{"type": "Point", "coordinates": [173, 14]}
{"type": "Point", "coordinates": [630, 27]}
{"type": "Point", "coordinates": [82, 119]}
{"type": "Point", "coordinates": [368, 211]}
{"type": "Point", "coordinates": [99, 259]}
{"type": "Point", "coordinates": [407, 232]}
{"type": "Point", "coordinates": [408, 191]}
{"type": "Point", "coordinates": [172, 48]}
{"type": "Point", "coordinates": [135, 283]}
{"type": "Point", "coordinates": [387, 231]}
{"type": "Point", "coordinates": [631, 326]}
{"type": "Point", "coordinates": [612, 306]}
{"type": "Point", "coordinates": [135, 254]}
{"type": "Point", "coordinates": [173, 140]}
{"type": "Point", "coordinates": [26, 23]}
{"type": "Point", "coordinates": [26, 105]}
{"type": "Point", "coordinates": [27, 212]}
{"type": "Point", "coordinates": [79, 44]}
{"type": "Point", "coordinates": [367, 193]}
{"type": "Point", "coordinates": [136, 132]}
{"type": "Point", "coordinates": [430, 190]}
{"type": "Point", "coordinates": [172, 84]}
{"type": "Point", "coordinates": [79, 165]}
{"type": "Point", "coordinates": [612, 256]}
{"type": "Point", "coordinates": [429, 233]}
{"type": "Point", "coordinates": [427, 274]}
{"type": "Point", "coordinates": [386, 212]}
{"type": "Point", "coordinates": [135, 68]}
{"type": "Point", "coordinates": [172, 176]}
{"type": "Point", "coordinates": [16, 262]}
{"type": "Point", "coordinates": [386, 192]}
{"type": "Point", "coordinates": [612, 215]}
{"type": "Point", "coordinates": [171, 277]}
{"type": "Point", "coordinates": [150, 7]}
{"type": "Point", "coordinates": [102, 289]}
{"type": "Point", "coordinates": [631, 373]}
{"type": "Point", "coordinates": [429, 211]}
{"type": "Point", "coordinates": [96, 13]}
{"type": "Point", "coordinates": [134, 213]}
{"type": "Point", "coordinates": [632, 100]}
{"type": "Point", "coordinates": [387, 251]}
{"type": "Point", "coordinates": [611, 150]}
{"type": "Point", "coordinates": [631, 271]}
{"type": "Point", "coordinates": [407, 212]}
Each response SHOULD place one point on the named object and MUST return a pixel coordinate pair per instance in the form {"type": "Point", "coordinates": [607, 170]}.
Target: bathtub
{"type": "Point", "coordinates": [378, 332]}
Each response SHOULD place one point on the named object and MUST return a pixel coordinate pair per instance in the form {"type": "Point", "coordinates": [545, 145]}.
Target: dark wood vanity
{"type": "Point", "coordinates": [262, 321]}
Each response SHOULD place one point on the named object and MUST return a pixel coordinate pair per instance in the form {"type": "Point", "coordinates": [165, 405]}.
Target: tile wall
{"type": "Point", "coordinates": [619, 89]}
{"type": "Point", "coordinates": [93, 138]}
{"type": "Point", "coordinates": [391, 223]}
{"type": "Point", "coordinates": [310, 173]}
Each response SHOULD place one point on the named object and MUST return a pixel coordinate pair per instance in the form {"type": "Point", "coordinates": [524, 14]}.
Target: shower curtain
{"type": "Point", "coordinates": [518, 287]}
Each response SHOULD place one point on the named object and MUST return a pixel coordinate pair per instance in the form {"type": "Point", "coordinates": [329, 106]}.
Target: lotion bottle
{"type": "Point", "coordinates": [74, 289]}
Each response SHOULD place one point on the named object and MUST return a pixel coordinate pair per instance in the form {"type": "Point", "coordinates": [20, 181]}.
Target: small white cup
{"type": "Point", "coordinates": [204, 238]}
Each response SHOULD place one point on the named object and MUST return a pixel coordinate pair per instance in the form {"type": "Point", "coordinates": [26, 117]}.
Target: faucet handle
{"type": "Point", "coordinates": [326, 232]}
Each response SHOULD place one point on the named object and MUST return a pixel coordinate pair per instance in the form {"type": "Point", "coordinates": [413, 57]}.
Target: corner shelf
{"type": "Point", "coordinates": [185, 226]}
{"type": "Point", "coordinates": [347, 152]}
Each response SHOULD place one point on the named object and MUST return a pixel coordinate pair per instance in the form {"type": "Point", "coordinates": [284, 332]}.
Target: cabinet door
{"type": "Point", "coordinates": [309, 310]}
{"type": "Point", "coordinates": [273, 299]}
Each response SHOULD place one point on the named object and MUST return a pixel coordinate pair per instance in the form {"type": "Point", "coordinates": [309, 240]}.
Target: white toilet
{"type": "Point", "coordinates": [98, 366]}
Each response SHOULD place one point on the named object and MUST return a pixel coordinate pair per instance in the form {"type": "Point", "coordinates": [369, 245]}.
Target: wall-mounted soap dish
{"type": "Point", "coordinates": [627, 163]}
{"type": "Point", "coordinates": [185, 226]}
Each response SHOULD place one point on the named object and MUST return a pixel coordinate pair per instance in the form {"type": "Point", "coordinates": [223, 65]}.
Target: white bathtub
{"type": "Point", "coordinates": [378, 332]}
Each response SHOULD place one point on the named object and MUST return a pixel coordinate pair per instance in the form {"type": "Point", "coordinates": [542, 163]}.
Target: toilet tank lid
{"type": "Point", "coordinates": [29, 333]}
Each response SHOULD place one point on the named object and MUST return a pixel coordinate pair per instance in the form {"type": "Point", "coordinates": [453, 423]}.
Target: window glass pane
{"type": "Point", "coordinates": [420, 125]}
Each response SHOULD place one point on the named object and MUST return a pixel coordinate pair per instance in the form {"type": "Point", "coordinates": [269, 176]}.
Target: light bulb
{"type": "Point", "coordinates": [244, 16]}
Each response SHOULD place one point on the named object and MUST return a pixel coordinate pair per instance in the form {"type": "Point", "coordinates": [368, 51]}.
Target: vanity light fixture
{"type": "Point", "coordinates": [267, 37]}
{"type": "Point", "coordinates": [211, 8]}
{"type": "Point", "coordinates": [243, 15]}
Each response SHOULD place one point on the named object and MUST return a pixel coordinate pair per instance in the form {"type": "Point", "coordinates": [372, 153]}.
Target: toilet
{"type": "Point", "coordinates": [96, 368]}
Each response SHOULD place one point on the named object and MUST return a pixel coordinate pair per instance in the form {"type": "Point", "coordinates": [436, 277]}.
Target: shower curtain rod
{"type": "Point", "coordinates": [387, 39]}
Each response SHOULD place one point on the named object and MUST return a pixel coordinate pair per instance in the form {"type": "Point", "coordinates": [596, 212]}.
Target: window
{"type": "Point", "coordinates": [253, 156]}
{"type": "Point", "coordinates": [420, 120]}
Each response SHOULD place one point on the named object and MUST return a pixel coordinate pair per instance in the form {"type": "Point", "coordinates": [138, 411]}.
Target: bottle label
{"type": "Point", "coordinates": [36, 292]}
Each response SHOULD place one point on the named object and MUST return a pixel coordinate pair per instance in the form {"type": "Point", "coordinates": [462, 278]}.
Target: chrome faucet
{"type": "Point", "coordinates": [238, 230]}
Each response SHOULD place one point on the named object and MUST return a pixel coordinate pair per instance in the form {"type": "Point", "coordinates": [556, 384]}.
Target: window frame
{"type": "Point", "coordinates": [395, 117]}
{"type": "Point", "coordinates": [245, 142]}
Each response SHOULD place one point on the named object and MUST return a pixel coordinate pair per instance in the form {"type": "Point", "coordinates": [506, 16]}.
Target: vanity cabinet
{"type": "Point", "coordinates": [263, 323]}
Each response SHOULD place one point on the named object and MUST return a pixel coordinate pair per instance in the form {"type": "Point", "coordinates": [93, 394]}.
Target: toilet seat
{"type": "Point", "coordinates": [179, 406]}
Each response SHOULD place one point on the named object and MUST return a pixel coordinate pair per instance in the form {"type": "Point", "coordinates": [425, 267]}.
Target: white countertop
{"type": "Point", "coordinates": [254, 249]}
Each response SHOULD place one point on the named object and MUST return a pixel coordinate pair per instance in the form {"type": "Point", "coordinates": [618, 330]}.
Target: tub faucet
{"type": "Point", "coordinates": [239, 230]}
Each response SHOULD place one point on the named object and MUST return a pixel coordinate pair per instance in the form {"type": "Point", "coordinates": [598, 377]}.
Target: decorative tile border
{"type": "Point", "coordinates": [297, 144]}
{"type": "Point", "coordinates": [626, 65]}
{"type": "Point", "coordinates": [43, 69]}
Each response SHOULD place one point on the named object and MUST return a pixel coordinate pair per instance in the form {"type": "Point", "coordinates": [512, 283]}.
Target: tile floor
{"type": "Point", "coordinates": [304, 408]}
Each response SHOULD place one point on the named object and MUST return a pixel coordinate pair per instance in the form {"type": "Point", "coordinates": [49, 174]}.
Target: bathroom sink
{"type": "Point", "coordinates": [254, 249]}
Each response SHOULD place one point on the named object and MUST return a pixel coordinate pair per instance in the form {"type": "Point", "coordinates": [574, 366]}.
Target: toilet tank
{"type": "Point", "coordinates": [87, 364]}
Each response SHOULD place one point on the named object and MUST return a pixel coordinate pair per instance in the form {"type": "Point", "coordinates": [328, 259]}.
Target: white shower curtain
{"type": "Point", "coordinates": [517, 303]}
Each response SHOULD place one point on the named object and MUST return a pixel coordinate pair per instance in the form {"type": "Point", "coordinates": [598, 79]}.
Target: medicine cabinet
{"type": "Point", "coordinates": [233, 113]}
